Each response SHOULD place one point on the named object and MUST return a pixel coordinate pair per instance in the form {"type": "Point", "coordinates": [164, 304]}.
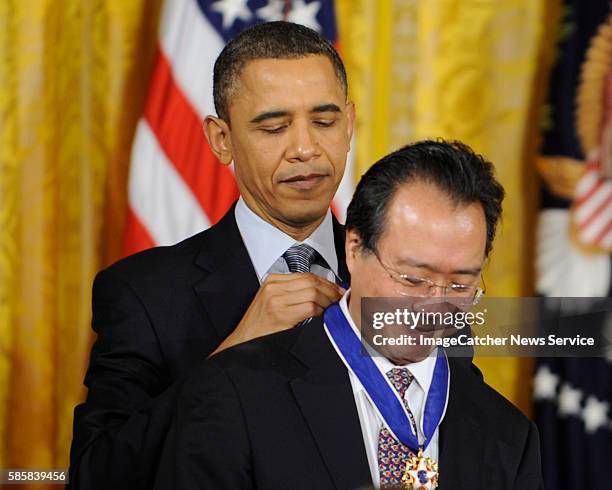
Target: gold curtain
{"type": "Point", "coordinates": [472, 70]}
{"type": "Point", "coordinates": [73, 78]}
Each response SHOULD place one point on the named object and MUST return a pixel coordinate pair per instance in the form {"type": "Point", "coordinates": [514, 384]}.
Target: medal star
{"type": "Point", "coordinates": [421, 473]}
{"type": "Point", "coordinates": [545, 384]}
{"type": "Point", "coordinates": [594, 414]}
{"type": "Point", "coordinates": [305, 14]}
{"type": "Point", "coordinates": [421, 476]}
{"type": "Point", "coordinates": [273, 11]}
{"type": "Point", "coordinates": [232, 10]}
{"type": "Point", "coordinates": [569, 400]}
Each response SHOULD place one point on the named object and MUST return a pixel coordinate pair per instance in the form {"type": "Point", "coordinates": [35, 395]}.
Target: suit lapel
{"type": "Point", "coordinates": [462, 437]}
{"type": "Point", "coordinates": [231, 283]}
{"type": "Point", "coordinates": [326, 401]}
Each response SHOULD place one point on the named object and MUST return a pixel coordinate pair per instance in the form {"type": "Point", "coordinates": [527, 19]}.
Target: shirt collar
{"type": "Point", "coordinates": [265, 243]}
{"type": "Point", "coordinates": [422, 370]}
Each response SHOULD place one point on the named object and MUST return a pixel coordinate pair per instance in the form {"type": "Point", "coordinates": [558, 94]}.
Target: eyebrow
{"type": "Point", "coordinates": [326, 108]}
{"type": "Point", "coordinates": [264, 116]}
{"type": "Point", "coordinates": [268, 115]}
{"type": "Point", "coordinates": [471, 271]}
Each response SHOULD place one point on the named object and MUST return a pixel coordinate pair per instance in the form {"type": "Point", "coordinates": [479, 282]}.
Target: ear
{"type": "Point", "coordinates": [352, 248]}
{"type": "Point", "coordinates": [219, 138]}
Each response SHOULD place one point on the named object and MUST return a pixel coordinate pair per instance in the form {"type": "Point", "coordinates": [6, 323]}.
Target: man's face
{"type": "Point", "coordinates": [289, 134]}
{"type": "Point", "coordinates": [425, 235]}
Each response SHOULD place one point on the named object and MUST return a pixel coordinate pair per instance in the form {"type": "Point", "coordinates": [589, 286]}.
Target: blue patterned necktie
{"type": "Point", "coordinates": [392, 455]}
{"type": "Point", "coordinates": [300, 257]}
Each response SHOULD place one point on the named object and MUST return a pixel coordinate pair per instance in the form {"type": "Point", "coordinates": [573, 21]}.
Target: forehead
{"type": "Point", "coordinates": [271, 81]}
{"type": "Point", "coordinates": [423, 223]}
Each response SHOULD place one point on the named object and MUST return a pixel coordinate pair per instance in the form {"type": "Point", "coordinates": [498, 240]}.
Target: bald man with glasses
{"type": "Point", "coordinates": [319, 406]}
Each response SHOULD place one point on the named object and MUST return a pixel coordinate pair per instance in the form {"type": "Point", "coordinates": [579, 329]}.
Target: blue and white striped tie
{"type": "Point", "coordinates": [300, 257]}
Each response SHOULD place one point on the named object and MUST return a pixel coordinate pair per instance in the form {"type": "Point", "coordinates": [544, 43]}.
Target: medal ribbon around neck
{"type": "Point", "coordinates": [378, 388]}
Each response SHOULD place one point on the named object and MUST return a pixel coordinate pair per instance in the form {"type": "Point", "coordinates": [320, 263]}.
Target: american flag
{"type": "Point", "coordinates": [592, 207]}
{"type": "Point", "coordinates": [176, 186]}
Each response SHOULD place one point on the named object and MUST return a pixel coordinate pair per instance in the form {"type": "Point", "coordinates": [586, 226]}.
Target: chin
{"type": "Point", "coordinates": [408, 355]}
{"type": "Point", "coordinates": [302, 214]}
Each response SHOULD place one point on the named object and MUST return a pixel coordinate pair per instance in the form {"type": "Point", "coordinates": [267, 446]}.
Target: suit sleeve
{"type": "Point", "coordinates": [208, 446]}
{"type": "Point", "coordinates": [529, 475]}
{"type": "Point", "coordinates": [119, 430]}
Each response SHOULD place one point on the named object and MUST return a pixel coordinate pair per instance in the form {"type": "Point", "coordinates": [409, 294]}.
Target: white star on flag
{"type": "Point", "coordinates": [305, 14]}
{"type": "Point", "coordinates": [569, 400]}
{"type": "Point", "coordinates": [273, 11]}
{"type": "Point", "coordinates": [545, 384]}
{"type": "Point", "coordinates": [594, 414]}
{"type": "Point", "coordinates": [232, 10]}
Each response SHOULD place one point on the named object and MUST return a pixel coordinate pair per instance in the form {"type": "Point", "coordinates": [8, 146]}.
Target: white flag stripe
{"type": "Point", "coordinates": [595, 227]}
{"type": "Point", "coordinates": [585, 210]}
{"type": "Point", "coordinates": [158, 195]}
{"type": "Point", "coordinates": [586, 182]}
{"type": "Point", "coordinates": [191, 45]}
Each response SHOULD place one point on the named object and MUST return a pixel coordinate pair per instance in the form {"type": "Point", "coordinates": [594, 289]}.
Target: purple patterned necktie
{"type": "Point", "coordinates": [392, 455]}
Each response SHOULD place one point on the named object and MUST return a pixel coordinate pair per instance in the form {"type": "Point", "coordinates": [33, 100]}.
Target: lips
{"type": "Point", "coordinates": [304, 182]}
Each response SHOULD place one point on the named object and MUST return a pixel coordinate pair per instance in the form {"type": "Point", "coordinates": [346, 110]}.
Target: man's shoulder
{"type": "Point", "coordinates": [158, 265]}
{"type": "Point", "coordinates": [143, 261]}
{"type": "Point", "coordinates": [174, 260]}
{"type": "Point", "coordinates": [504, 407]}
{"type": "Point", "coordinates": [494, 410]}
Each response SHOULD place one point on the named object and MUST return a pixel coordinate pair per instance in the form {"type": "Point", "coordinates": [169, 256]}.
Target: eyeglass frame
{"type": "Point", "coordinates": [479, 292]}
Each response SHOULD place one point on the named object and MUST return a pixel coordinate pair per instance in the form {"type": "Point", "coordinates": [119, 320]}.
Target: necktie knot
{"type": "Point", "coordinates": [300, 257]}
{"type": "Point", "coordinates": [400, 379]}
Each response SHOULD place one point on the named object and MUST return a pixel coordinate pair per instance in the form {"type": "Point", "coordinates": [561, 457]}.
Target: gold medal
{"type": "Point", "coordinates": [421, 473]}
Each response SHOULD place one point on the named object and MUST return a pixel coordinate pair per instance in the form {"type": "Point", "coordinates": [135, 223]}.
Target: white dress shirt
{"type": "Point", "coordinates": [416, 394]}
{"type": "Point", "coordinates": [266, 244]}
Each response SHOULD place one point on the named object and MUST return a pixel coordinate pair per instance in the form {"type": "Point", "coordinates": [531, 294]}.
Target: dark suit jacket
{"type": "Point", "coordinates": [279, 413]}
{"type": "Point", "coordinates": [156, 315]}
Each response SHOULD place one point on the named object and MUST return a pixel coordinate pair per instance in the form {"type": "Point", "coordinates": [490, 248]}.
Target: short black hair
{"type": "Point", "coordinates": [270, 40]}
{"type": "Point", "coordinates": [452, 166]}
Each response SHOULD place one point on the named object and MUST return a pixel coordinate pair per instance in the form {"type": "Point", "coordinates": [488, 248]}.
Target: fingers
{"type": "Point", "coordinates": [301, 280]}
{"type": "Point", "coordinates": [311, 295]}
{"type": "Point", "coordinates": [282, 301]}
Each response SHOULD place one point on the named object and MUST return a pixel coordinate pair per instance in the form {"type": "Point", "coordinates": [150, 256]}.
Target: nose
{"type": "Point", "coordinates": [302, 144]}
{"type": "Point", "coordinates": [436, 291]}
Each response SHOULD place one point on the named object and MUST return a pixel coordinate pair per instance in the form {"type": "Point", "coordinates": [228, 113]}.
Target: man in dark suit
{"type": "Point", "coordinates": [300, 410]}
{"type": "Point", "coordinates": [285, 122]}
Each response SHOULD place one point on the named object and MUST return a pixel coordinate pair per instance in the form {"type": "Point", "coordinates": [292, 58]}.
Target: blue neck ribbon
{"type": "Point", "coordinates": [378, 388]}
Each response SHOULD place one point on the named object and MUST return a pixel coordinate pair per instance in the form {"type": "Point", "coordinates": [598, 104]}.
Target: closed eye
{"type": "Point", "coordinates": [412, 281]}
{"type": "Point", "coordinates": [274, 130]}
{"type": "Point", "coordinates": [463, 288]}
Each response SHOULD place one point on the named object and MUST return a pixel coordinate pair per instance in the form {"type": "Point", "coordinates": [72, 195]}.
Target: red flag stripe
{"type": "Point", "coordinates": [588, 194]}
{"type": "Point", "coordinates": [179, 132]}
{"type": "Point", "coordinates": [136, 237]}
{"type": "Point", "coordinates": [596, 213]}
{"type": "Point", "coordinates": [600, 237]}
